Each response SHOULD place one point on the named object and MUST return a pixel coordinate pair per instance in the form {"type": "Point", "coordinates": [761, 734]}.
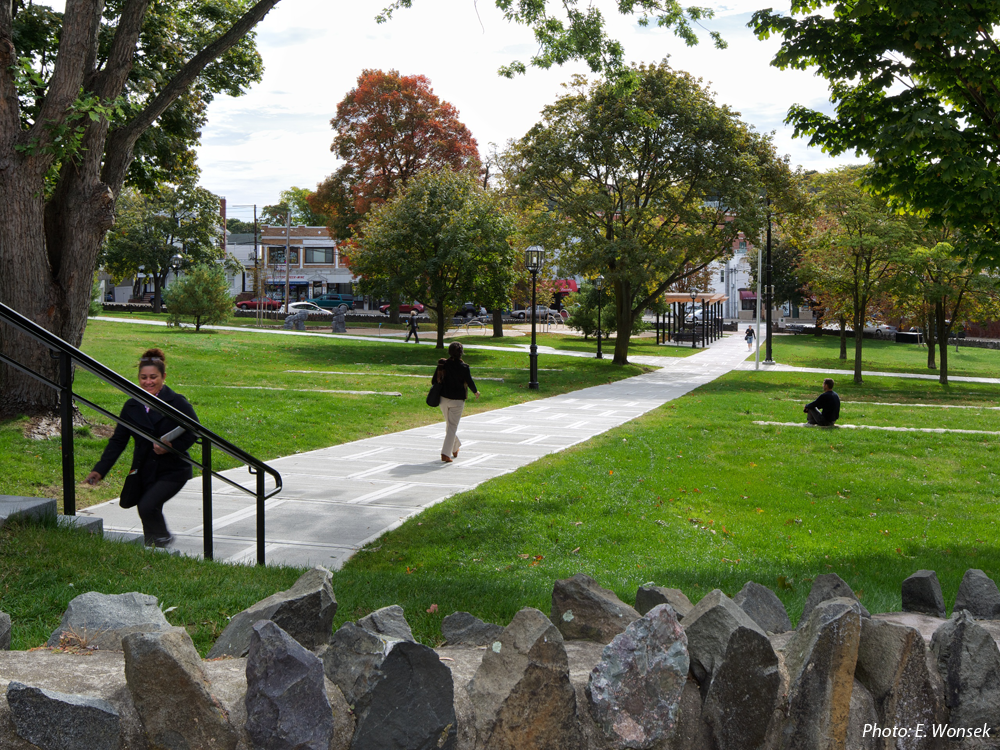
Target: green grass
{"type": "Point", "coordinates": [42, 568]}
{"type": "Point", "coordinates": [882, 356]}
{"type": "Point", "coordinates": [219, 372]}
{"type": "Point", "coordinates": [645, 346]}
{"type": "Point", "coordinates": [695, 496]}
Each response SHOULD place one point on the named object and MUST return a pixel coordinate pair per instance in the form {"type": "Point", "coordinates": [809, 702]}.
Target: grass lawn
{"type": "Point", "coordinates": [223, 373]}
{"type": "Point", "coordinates": [646, 346]}
{"type": "Point", "coordinates": [882, 356]}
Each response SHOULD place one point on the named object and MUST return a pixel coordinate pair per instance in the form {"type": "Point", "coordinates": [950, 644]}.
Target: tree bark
{"type": "Point", "coordinates": [49, 247]}
{"type": "Point", "coordinates": [859, 339]}
{"type": "Point", "coordinates": [442, 324]}
{"type": "Point", "coordinates": [930, 338]}
{"type": "Point", "coordinates": [944, 330]}
{"type": "Point", "coordinates": [843, 339]}
{"type": "Point", "coordinates": [623, 320]}
{"type": "Point", "coordinates": [498, 324]}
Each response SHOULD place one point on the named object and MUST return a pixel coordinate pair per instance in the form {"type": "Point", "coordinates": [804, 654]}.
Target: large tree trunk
{"type": "Point", "coordinates": [498, 324]}
{"type": "Point", "coordinates": [930, 338]}
{"type": "Point", "coordinates": [623, 320]}
{"type": "Point", "coordinates": [944, 330]}
{"type": "Point", "coordinates": [859, 340]}
{"type": "Point", "coordinates": [442, 322]}
{"type": "Point", "coordinates": [843, 338]}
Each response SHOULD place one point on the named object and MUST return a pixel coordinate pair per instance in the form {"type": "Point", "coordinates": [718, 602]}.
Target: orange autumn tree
{"type": "Point", "coordinates": [389, 128]}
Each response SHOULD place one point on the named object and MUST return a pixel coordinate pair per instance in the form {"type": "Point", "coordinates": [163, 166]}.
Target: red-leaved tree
{"type": "Point", "coordinates": [389, 127]}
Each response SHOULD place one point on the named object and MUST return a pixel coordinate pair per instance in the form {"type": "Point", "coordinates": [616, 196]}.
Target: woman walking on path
{"type": "Point", "coordinates": [412, 321]}
{"type": "Point", "coordinates": [456, 379]}
{"type": "Point", "coordinates": [749, 337]}
{"type": "Point", "coordinates": [161, 474]}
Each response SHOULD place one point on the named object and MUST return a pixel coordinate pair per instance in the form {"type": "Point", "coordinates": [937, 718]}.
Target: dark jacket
{"type": "Point", "coordinates": [828, 404]}
{"type": "Point", "coordinates": [454, 376]}
{"type": "Point", "coordinates": [149, 465]}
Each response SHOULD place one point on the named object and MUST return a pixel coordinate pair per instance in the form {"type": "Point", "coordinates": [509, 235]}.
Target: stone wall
{"type": "Point", "coordinates": [726, 673]}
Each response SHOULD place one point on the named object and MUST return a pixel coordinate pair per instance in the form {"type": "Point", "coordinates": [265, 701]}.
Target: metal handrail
{"type": "Point", "coordinates": [68, 355]}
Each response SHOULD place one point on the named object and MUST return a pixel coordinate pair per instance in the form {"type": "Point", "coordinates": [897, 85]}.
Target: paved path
{"type": "Point", "coordinates": [337, 499]}
{"type": "Point", "coordinates": [864, 373]}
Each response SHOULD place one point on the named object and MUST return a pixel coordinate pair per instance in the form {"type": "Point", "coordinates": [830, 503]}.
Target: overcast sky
{"type": "Point", "coordinates": [279, 134]}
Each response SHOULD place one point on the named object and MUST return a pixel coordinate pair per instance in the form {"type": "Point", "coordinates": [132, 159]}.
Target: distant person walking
{"type": "Point", "coordinates": [161, 474]}
{"type": "Point", "coordinates": [825, 410]}
{"type": "Point", "coordinates": [412, 323]}
{"type": "Point", "coordinates": [456, 379]}
{"type": "Point", "coordinates": [749, 337]}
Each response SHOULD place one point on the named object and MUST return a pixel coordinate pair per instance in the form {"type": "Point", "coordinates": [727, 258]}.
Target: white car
{"type": "Point", "coordinates": [541, 313]}
{"type": "Point", "coordinates": [310, 307]}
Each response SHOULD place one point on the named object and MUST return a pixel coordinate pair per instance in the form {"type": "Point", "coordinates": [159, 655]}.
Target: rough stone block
{"type": "Point", "coordinates": [102, 620]}
{"type": "Point", "coordinates": [978, 594]}
{"type": "Point", "coordinates": [969, 664]}
{"type": "Point", "coordinates": [764, 607]}
{"type": "Point", "coordinates": [54, 720]}
{"type": "Point", "coordinates": [463, 629]}
{"type": "Point", "coordinates": [388, 621]}
{"type": "Point", "coordinates": [582, 609]}
{"type": "Point", "coordinates": [825, 587]}
{"type": "Point", "coordinates": [649, 596]}
{"type": "Point", "coordinates": [709, 626]}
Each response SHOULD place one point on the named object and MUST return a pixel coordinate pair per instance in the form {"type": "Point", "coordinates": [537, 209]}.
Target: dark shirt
{"type": "Point", "coordinates": [412, 320]}
{"type": "Point", "coordinates": [454, 375]}
{"type": "Point", "coordinates": [150, 465]}
{"type": "Point", "coordinates": [828, 404]}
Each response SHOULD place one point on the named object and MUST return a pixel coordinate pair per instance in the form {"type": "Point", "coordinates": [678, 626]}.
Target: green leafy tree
{"type": "Point", "coordinates": [853, 260]}
{"type": "Point", "coordinates": [201, 293]}
{"type": "Point", "coordinates": [646, 187]}
{"type": "Point", "coordinates": [583, 307]}
{"type": "Point", "coordinates": [296, 201]}
{"type": "Point", "coordinates": [914, 87]}
{"type": "Point", "coordinates": [109, 93]}
{"type": "Point", "coordinates": [96, 297]}
{"type": "Point", "coordinates": [152, 229]}
{"type": "Point", "coordinates": [442, 240]}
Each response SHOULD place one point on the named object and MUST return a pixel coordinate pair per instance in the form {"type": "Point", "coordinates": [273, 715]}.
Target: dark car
{"type": "Point", "coordinates": [332, 300]}
{"type": "Point", "coordinates": [264, 303]}
{"type": "Point", "coordinates": [404, 309]}
{"type": "Point", "coordinates": [468, 310]}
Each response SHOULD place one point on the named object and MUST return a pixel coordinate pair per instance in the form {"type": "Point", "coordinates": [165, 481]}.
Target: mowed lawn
{"type": "Point", "coordinates": [558, 339]}
{"type": "Point", "coordinates": [696, 496]}
{"type": "Point", "coordinates": [883, 356]}
{"type": "Point", "coordinates": [275, 395]}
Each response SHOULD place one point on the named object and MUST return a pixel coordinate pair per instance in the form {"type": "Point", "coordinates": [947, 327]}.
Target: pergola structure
{"type": "Point", "coordinates": [707, 330]}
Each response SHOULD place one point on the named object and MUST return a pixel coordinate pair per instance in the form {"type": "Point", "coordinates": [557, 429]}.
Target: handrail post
{"type": "Point", "coordinates": [260, 517]}
{"type": "Point", "coordinates": [66, 414]}
{"type": "Point", "coordinates": [206, 495]}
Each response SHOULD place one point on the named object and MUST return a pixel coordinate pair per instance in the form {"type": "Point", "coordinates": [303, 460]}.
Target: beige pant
{"type": "Point", "coordinates": [451, 408]}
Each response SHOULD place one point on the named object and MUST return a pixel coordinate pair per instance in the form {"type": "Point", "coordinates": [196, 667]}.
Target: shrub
{"type": "Point", "coordinates": [203, 294]}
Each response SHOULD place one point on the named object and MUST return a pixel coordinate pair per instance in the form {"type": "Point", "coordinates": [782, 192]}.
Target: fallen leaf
{"type": "Point", "coordinates": [432, 609]}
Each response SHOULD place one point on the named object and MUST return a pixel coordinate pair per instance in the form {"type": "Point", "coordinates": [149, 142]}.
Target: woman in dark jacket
{"type": "Point", "coordinates": [161, 473]}
{"type": "Point", "coordinates": [456, 379]}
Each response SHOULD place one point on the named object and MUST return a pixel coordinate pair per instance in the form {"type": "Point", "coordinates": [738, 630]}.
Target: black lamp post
{"type": "Point", "coordinates": [769, 297]}
{"type": "Point", "coordinates": [599, 283]}
{"type": "Point", "coordinates": [694, 325]}
{"type": "Point", "coordinates": [534, 256]}
{"type": "Point", "coordinates": [175, 263]}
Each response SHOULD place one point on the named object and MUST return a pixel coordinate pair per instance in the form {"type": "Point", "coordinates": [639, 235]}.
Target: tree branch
{"type": "Point", "coordinates": [110, 81]}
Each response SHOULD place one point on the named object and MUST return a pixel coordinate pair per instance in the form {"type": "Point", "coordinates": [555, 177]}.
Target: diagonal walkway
{"type": "Point", "coordinates": [337, 499]}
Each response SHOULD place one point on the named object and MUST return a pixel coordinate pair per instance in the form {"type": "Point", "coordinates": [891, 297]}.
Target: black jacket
{"type": "Point", "coordinates": [454, 375]}
{"type": "Point", "coordinates": [828, 404]}
{"type": "Point", "coordinates": [149, 465]}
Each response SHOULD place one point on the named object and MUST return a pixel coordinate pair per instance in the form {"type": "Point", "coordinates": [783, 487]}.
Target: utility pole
{"type": "Point", "coordinates": [288, 231]}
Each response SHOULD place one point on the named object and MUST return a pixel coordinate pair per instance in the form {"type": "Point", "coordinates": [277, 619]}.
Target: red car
{"type": "Point", "coordinates": [265, 303]}
{"type": "Point", "coordinates": [404, 309]}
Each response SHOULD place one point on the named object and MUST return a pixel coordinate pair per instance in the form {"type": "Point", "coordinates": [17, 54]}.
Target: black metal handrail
{"type": "Point", "coordinates": [69, 355]}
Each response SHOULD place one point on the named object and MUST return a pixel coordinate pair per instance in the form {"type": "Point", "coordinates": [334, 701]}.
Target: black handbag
{"type": "Point", "coordinates": [434, 395]}
{"type": "Point", "coordinates": [131, 490]}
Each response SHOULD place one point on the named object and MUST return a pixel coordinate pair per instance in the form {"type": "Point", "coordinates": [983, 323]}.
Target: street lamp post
{"type": "Point", "coordinates": [534, 256]}
{"type": "Point", "coordinates": [770, 288]}
{"type": "Point", "coordinates": [599, 283]}
{"type": "Point", "coordinates": [694, 328]}
{"type": "Point", "coordinates": [175, 263]}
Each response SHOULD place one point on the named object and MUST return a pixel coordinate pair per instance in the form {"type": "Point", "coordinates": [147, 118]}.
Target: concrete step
{"type": "Point", "coordinates": [93, 524]}
{"type": "Point", "coordinates": [16, 506]}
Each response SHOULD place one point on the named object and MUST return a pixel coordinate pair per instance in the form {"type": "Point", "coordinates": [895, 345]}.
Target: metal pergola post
{"type": "Point", "coordinates": [66, 416]}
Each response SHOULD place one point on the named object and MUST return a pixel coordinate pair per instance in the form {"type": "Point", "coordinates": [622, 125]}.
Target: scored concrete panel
{"type": "Point", "coordinates": [337, 499]}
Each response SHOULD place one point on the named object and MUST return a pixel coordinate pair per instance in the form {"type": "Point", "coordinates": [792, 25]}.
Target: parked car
{"type": "Point", "coordinates": [330, 300]}
{"type": "Point", "coordinates": [403, 309]}
{"type": "Point", "coordinates": [264, 303]}
{"type": "Point", "coordinates": [310, 307]}
{"type": "Point", "coordinates": [467, 310]}
{"type": "Point", "coordinates": [541, 313]}
{"type": "Point", "coordinates": [881, 330]}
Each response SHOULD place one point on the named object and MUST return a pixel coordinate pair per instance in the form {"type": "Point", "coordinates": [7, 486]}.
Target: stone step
{"type": "Point", "coordinates": [93, 524]}
{"type": "Point", "coordinates": [17, 506]}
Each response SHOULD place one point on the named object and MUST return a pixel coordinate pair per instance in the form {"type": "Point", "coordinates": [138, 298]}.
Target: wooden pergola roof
{"type": "Point", "coordinates": [701, 297]}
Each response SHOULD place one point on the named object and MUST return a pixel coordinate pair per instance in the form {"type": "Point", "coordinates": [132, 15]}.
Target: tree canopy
{"type": "Point", "coordinates": [646, 187]}
{"type": "Point", "coordinates": [295, 200]}
{"type": "Point", "coordinates": [442, 240]}
{"type": "Point", "coordinates": [914, 87]}
{"type": "Point", "coordinates": [389, 128]}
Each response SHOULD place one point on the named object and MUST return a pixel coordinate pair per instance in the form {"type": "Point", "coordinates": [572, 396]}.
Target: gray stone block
{"type": "Point", "coordinates": [17, 506]}
{"type": "Point", "coordinates": [969, 664]}
{"type": "Point", "coordinates": [93, 524]}
{"type": "Point", "coordinates": [764, 607]}
{"type": "Point", "coordinates": [58, 721]}
{"type": "Point", "coordinates": [922, 593]}
{"type": "Point", "coordinates": [582, 609]}
{"type": "Point", "coordinates": [4, 631]}
{"type": "Point", "coordinates": [649, 596]}
{"type": "Point", "coordinates": [825, 587]}
{"type": "Point", "coordinates": [978, 594]}
{"type": "Point", "coordinates": [102, 620]}
{"type": "Point", "coordinates": [388, 621]}
{"type": "Point", "coordinates": [709, 627]}
{"type": "Point", "coordinates": [463, 629]}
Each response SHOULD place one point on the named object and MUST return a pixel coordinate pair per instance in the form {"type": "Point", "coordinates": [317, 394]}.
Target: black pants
{"type": "Point", "coordinates": [412, 332]}
{"type": "Point", "coordinates": [150, 506]}
{"type": "Point", "coordinates": [813, 416]}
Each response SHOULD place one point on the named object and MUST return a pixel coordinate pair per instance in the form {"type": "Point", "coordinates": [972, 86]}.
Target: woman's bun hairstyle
{"type": "Point", "coordinates": [154, 358]}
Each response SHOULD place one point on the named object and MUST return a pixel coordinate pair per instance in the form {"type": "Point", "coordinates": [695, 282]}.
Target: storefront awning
{"type": "Point", "coordinates": [566, 286]}
{"type": "Point", "coordinates": [747, 294]}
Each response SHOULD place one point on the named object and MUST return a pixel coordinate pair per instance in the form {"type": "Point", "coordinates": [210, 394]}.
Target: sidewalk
{"type": "Point", "coordinates": [337, 499]}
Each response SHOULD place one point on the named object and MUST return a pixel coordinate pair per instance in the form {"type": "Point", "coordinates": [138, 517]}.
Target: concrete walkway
{"type": "Point", "coordinates": [337, 499]}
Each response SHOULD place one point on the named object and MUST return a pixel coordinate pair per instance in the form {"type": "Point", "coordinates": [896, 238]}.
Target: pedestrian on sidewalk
{"type": "Point", "coordinates": [159, 473]}
{"type": "Point", "coordinates": [412, 322]}
{"type": "Point", "coordinates": [825, 410]}
{"type": "Point", "coordinates": [456, 380]}
{"type": "Point", "coordinates": [749, 337]}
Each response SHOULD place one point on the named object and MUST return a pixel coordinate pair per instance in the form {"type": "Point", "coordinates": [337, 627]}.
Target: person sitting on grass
{"type": "Point", "coordinates": [825, 410]}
